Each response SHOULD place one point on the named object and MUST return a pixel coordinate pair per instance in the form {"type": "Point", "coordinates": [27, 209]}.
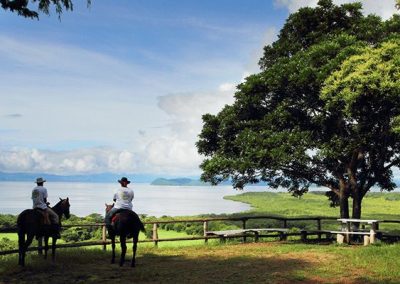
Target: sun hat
{"type": "Point", "coordinates": [124, 179]}
{"type": "Point", "coordinates": [40, 180]}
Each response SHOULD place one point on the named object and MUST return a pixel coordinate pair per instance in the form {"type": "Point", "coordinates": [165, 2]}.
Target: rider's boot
{"type": "Point", "coordinates": [56, 230]}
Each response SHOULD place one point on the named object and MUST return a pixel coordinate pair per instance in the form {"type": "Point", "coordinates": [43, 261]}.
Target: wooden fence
{"type": "Point", "coordinates": [285, 223]}
{"type": "Point", "coordinates": [156, 224]}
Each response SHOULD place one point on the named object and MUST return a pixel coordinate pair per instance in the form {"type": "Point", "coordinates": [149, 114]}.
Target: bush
{"type": "Point", "coordinates": [7, 244]}
{"type": "Point", "coordinates": [7, 221]}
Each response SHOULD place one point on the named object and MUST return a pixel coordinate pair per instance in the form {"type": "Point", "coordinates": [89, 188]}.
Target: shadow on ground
{"type": "Point", "coordinates": [196, 266]}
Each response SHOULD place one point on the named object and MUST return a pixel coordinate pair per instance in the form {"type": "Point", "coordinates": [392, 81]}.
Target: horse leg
{"type": "Point", "coordinates": [46, 246]}
{"type": "Point", "coordinates": [21, 248]}
{"type": "Point", "coordinates": [25, 245]}
{"type": "Point", "coordinates": [135, 240]}
{"type": "Point", "coordinates": [122, 239]}
{"type": "Point", "coordinates": [113, 247]}
{"type": "Point", "coordinates": [53, 249]}
{"type": "Point", "coordinates": [40, 245]}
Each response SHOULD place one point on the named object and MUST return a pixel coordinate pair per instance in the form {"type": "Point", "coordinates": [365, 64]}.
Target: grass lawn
{"type": "Point", "coordinates": [381, 206]}
{"type": "Point", "coordinates": [231, 263]}
{"type": "Point", "coordinates": [10, 236]}
{"type": "Point", "coordinates": [375, 205]}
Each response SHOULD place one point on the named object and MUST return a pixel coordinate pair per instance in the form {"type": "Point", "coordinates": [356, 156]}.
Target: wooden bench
{"type": "Point", "coordinates": [305, 233]}
{"type": "Point", "coordinates": [256, 233]}
{"type": "Point", "coordinates": [342, 236]}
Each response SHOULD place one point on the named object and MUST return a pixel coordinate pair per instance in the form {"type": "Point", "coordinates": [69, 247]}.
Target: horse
{"type": "Point", "coordinates": [30, 223]}
{"type": "Point", "coordinates": [127, 224]}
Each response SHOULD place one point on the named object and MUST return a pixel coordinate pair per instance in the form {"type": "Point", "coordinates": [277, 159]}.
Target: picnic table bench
{"type": "Point", "coordinates": [348, 229]}
{"type": "Point", "coordinates": [249, 232]}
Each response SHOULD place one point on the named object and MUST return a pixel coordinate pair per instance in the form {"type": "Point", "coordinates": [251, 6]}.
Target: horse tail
{"type": "Point", "coordinates": [141, 226]}
{"type": "Point", "coordinates": [137, 222]}
{"type": "Point", "coordinates": [21, 220]}
{"type": "Point", "coordinates": [21, 238]}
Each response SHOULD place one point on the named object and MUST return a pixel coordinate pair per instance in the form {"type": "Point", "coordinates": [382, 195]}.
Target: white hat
{"type": "Point", "coordinates": [40, 180]}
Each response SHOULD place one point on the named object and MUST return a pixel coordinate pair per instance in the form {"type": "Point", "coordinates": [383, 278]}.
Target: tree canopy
{"type": "Point", "coordinates": [324, 110]}
{"type": "Point", "coordinates": [31, 8]}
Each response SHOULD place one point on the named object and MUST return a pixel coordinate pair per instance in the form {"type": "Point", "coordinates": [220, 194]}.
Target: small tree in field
{"type": "Point", "coordinates": [324, 110]}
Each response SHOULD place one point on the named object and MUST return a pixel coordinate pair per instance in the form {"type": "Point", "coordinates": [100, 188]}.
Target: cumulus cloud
{"type": "Point", "coordinates": [176, 152]}
{"type": "Point", "coordinates": [172, 152]}
{"type": "Point", "coordinates": [383, 8]}
{"type": "Point", "coordinates": [96, 160]}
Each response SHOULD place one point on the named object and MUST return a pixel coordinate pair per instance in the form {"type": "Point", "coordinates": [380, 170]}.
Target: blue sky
{"type": "Point", "coordinates": [121, 86]}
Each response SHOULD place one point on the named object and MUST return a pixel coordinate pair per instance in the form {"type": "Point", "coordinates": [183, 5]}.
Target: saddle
{"type": "Point", "coordinates": [115, 216]}
{"type": "Point", "coordinates": [44, 216]}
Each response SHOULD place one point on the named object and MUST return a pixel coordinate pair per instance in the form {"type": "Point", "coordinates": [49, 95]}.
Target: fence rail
{"type": "Point", "coordinates": [155, 239]}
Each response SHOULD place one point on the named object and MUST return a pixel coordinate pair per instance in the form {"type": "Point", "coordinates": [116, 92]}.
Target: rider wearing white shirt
{"type": "Point", "coordinates": [39, 200]}
{"type": "Point", "coordinates": [123, 197]}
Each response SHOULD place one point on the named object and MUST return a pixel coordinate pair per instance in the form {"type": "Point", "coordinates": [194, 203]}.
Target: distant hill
{"type": "Point", "coordinates": [103, 177]}
{"type": "Point", "coordinates": [193, 182]}
{"type": "Point", "coordinates": [179, 182]}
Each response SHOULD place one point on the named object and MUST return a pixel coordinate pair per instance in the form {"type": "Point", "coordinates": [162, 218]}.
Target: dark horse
{"type": "Point", "coordinates": [127, 224]}
{"type": "Point", "coordinates": [30, 223]}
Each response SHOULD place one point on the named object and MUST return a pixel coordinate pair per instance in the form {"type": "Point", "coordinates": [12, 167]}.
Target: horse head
{"type": "Point", "coordinates": [108, 207]}
{"type": "Point", "coordinates": [63, 207]}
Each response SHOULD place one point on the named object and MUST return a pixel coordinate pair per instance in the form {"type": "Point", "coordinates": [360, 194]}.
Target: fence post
{"type": "Point", "coordinates": [155, 234]}
{"type": "Point", "coordinates": [244, 227]}
{"type": "Point", "coordinates": [205, 230]}
{"type": "Point", "coordinates": [284, 223]}
{"type": "Point", "coordinates": [319, 228]}
{"type": "Point", "coordinates": [103, 238]}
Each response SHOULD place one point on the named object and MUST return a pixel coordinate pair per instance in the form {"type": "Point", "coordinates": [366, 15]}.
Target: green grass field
{"type": "Point", "coordinates": [232, 262]}
{"type": "Point", "coordinates": [375, 205]}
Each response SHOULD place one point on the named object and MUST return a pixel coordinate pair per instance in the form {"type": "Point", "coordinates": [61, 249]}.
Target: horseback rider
{"type": "Point", "coordinates": [39, 199]}
{"type": "Point", "coordinates": [123, 197]}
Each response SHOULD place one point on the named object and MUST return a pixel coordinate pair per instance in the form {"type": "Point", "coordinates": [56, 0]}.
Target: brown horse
{"type": "Point", "coordinates": [127, 224]}
{"type": "Point", "coordinates": [30, 223]}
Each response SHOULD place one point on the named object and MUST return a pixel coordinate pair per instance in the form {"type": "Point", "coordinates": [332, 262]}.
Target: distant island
{"type": "Point", "coordinates": [179, 182]}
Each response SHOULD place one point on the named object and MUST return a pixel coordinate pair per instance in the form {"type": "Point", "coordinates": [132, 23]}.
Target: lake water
{"type": "Point", "coordinates": [87, 198]}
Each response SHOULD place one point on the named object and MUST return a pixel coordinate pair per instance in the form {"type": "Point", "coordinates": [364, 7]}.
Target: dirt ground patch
{"type": "Point", "coordinates": [237, 263]}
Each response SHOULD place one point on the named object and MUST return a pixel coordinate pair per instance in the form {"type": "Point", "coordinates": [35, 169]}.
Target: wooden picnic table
{"type": "Point", "coordinates": [348, 228]}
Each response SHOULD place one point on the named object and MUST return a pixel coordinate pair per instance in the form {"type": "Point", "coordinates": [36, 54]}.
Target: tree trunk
{"type": "Point", "coordinates": [344, 206]}
{"type": "Point", "coordinates": [357, 199]}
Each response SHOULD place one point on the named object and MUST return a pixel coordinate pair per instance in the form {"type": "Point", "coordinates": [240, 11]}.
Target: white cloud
{"type": "Point", "coordinates": [383, 8]}
{"type": "Point", "coordinates": [176, 152]}
{"type": "Point", "coordinates": [171, 150]}
{"type": "Point", "coordinates": [64, 102]}
{"type": "Point", "coordinates": [270, 35]}
{"type": "Point", "coordinates": [95, 160]}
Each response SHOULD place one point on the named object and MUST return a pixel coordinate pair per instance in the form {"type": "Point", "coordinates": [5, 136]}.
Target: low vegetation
{"type": "Point", "coordinates": [233, 262]}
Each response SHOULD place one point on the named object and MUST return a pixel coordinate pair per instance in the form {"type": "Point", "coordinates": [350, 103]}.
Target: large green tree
{"type": "Point", "coordinates": [31, 8]}
{"type": "Point", "coordinates": [322, 111]}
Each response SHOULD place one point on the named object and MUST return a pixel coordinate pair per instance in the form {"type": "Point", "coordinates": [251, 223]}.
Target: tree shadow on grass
{"type": "Point", "coordinates": [208, 267]}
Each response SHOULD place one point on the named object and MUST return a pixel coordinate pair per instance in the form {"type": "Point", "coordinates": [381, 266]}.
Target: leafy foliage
{"type": "Point", "coordinates": [7, 244]}
{"type": "Point", "coordinates": [7, 221]}
{"type": "Point", "coordinates": [323, 111]}
{"type": "Point", "coordinates": [24, 7]}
